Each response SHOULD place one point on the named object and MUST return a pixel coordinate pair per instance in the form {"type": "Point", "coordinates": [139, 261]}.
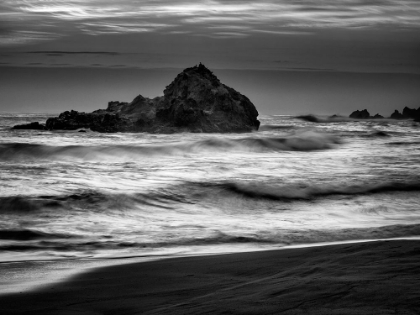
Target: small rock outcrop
{"type": "Point", "coordinates": [33, 125]}
{"type": "Point", "coordinates": [364, 114]}
{"type": "Point", "coordinates": [101, 121]}
{"type": "Point", "coordinates": [196, 101]}
{"type": "Point", "coordinates": [377, 116]}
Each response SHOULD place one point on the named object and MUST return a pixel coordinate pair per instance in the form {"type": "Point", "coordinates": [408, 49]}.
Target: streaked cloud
{"type": "Point", "coordinates": [230, 27]}
{"type": "Point", "coordinates": [60, 52]}
{"type": "Point", "coordinates": [72, 9]}
{"type": "Point", "coordinates": [118, 27]}
{"type": "Point", "coordinates": [282, 32]}
{"type": "Point", "coordinates": [215, 18]}
{"type": "Point", "coordinates": [25, 37]}
{"type": "Point", "coordinates": [224, 35]}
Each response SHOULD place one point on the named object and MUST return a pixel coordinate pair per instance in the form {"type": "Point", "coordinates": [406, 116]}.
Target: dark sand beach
{"type": "Point", "coordinates": [380, 277]}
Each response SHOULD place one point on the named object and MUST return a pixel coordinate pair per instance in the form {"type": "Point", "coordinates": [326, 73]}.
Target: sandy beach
{"type": "Point", "coordinates": [381, 277]}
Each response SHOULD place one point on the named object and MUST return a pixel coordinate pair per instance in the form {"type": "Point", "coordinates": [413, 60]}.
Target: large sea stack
{"type": "Point", "coordinates": [196, 101]}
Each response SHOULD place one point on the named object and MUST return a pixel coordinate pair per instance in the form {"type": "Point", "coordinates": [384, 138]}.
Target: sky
{"type": "Point", "coordinates": [288, 57]}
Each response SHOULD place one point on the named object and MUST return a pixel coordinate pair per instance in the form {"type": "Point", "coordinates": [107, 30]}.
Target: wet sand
{"type": "Point", "coordinates": [361, 278]}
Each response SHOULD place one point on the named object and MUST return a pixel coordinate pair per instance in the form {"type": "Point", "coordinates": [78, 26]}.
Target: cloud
{"type": "Point", "coordinates": [224, 35]}
{"type": "Point", "coordinates": [216, 18]}
{"type": "Point", "coordinates": [72, 9]}
{"type": "Point", "coordinates": [282, 32]}
{"type": "Point", "coordinates": [229, 27]}
{"type": "Point", "coordinates": [60, 52]}
{"type": "Point", "coordinates": [118, 27]}
{"type": "Point", "coordinates": [25, 37]}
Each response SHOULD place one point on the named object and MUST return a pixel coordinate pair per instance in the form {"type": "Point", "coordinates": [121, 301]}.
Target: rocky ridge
{"type": "Point", "coordinates": [407, 113]}
{"type": "Point", "coordinates": [196, 101]}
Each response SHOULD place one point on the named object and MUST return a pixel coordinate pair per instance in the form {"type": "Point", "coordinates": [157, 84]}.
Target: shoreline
{"type": "Point", "coordinates": [18, 276]}
{"type": "Point", "coordinates": [370, 277]}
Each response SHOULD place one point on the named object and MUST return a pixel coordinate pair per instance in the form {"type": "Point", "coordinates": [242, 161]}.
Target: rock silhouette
{"type": "Point", "coordinates": [411, 113]}
{"type": "Point", "coordinates": [407, 113]}
{"type": "Point", "coordinates": [196, 101]}
{"type": "Point", "coordinates": [397, 115]}
{"type": "Point", "coordinates": [33, 125]}
{"type": "Point", "coordinates": [364, 114]}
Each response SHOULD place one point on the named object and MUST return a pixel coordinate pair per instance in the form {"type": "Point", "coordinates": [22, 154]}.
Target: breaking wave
{"type": "Point", "coordinates": [402, 143]}
{"type": "Point", "coordinates": [18, 204]}
{"type": "Point", "coordinates": [305, 141]}
{"type": "Point", "coordinates": [277, 238]}
{"type": "Point", "coordinates": [191, 214]}
{"type": "Point", "coordinates": [291, 193]}
{"type": "Point", "coordinates": [275, 127]}
{"type": "Point", "coordinates": [317, 119]}
{"type": "Point", "coordinates": [27, 235]}
{"type": "Point", "coordinates": [192, 193]}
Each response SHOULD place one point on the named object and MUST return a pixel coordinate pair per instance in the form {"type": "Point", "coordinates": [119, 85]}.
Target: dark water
{"type": "Point", "coordinates": [71, 194]}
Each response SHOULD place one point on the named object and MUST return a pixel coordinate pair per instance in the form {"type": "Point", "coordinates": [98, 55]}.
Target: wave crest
{"type": "Point", "coordinates": [193, 192]}
{"type": "Point", "coordinates": [303, 141]}
{"type": "Point", "coordinates": [291, 193]}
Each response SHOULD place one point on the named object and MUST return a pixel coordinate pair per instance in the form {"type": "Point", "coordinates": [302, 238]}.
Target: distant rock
{"type": "Point", "coordinates": [411, 113]}
{"type": "Point", "coordinates": [364, 114]}
{"type": "Point", "coordinates": [196, 101]}
{"type": "Point", "coordinates": [397, 115]}
{"type": "Point", "coordinates": [407, 113]}
{"type": "Point", "coordinates": [32, 125]}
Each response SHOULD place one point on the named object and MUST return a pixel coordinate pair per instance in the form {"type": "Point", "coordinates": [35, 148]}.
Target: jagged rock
{"type": "Point", "coordinates": [411, 113]}
{"type": "Point", "coordinates": [396, 115]}
{"type": "Point", "coordinates": [377, 116]}
{"type": "Point", "coordinates": [101, 121]}
{"type": "Point", "coordinates": [196, 101]}
{"type": "Point", "coordinates": [364, 114]}
{"type": "Point", "coordinates": [407, 113]}
{"type": "Point", "coordinates": [32, 125]}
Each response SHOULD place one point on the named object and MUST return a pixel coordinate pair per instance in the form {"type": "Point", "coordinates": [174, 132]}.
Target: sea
{"type": "Point", "coordinates": [89, 195]}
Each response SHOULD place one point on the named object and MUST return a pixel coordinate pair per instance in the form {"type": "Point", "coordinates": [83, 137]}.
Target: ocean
{"type": "Point", "coordinates": [79, 195]}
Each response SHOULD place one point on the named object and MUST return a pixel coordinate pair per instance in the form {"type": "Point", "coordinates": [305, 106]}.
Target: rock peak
{"type": "Point", "coordinates": [200, 69]}
{"type": "Point", "coordinates": [199, 72]}
{"type": "Point", "coordinates": [192, 79]}
{"type": "Point", "coordinates": [364, 114]}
